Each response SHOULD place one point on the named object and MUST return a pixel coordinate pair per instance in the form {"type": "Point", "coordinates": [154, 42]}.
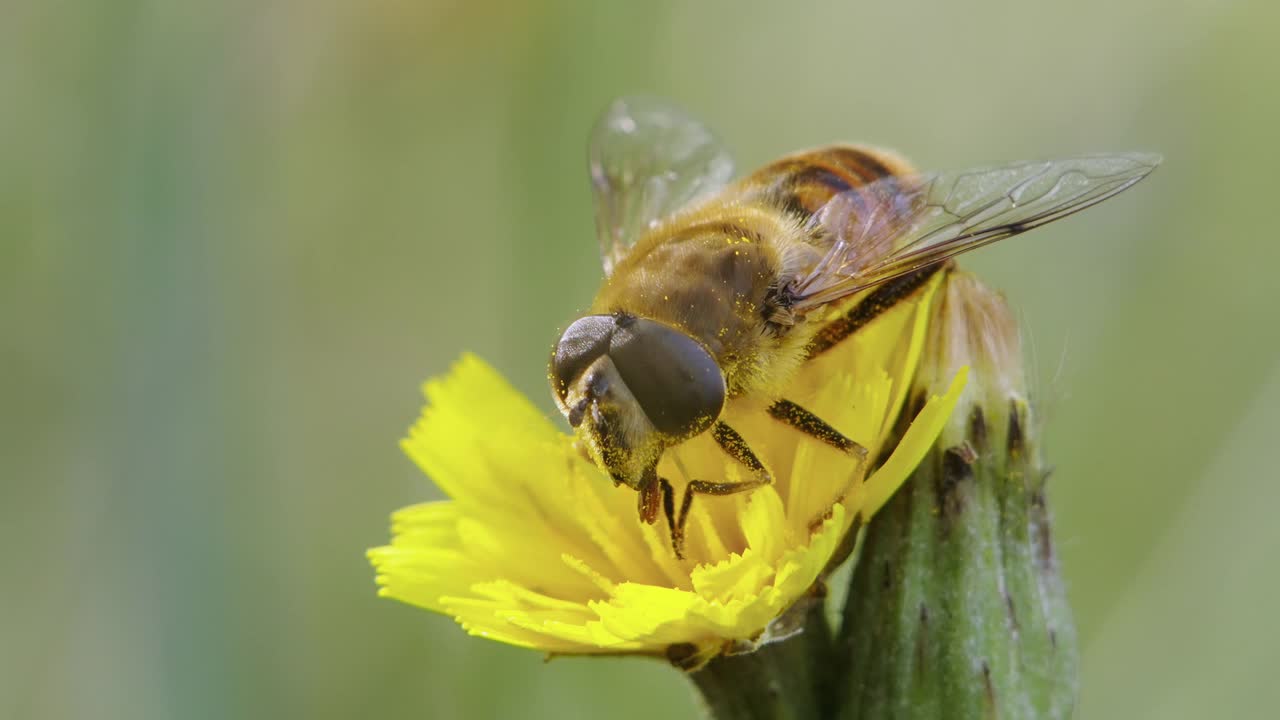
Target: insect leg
{"type": "Point", "coordinates": [815, 427]}
{"type": "Point", "coordinates": [669, 509]}
{"type": "Point", "coordinates": [884, 297]}
{"type": "Point", "coordinates": [732, 443]}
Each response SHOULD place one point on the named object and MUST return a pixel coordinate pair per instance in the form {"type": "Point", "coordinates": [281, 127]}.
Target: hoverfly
{"type": "Point", "coordinates": [713, 289]}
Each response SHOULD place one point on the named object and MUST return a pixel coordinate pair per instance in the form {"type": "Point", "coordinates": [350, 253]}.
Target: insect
{"type": "Point", "coordinates": [713, 289]}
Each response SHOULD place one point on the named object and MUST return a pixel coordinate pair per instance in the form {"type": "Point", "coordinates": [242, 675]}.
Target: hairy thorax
{"type": "Point", "coordinates": [714, 275]}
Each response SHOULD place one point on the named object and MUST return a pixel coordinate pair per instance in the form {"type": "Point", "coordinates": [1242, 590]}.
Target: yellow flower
{"type": "Point", "coordinates": [538, 548]}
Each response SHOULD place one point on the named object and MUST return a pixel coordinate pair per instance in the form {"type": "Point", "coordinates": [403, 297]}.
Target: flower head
{"type": "Point", "coordinates": [536, 547]}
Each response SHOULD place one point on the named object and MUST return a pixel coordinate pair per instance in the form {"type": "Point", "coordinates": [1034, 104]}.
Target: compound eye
{"type": "Point", "coordinates": [677, 382]}
{"type": "Point", "coordinates": [582, 343]}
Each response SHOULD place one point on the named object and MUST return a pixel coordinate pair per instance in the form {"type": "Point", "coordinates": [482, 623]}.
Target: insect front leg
{"type": "Point", "coordinates": [735, 447]}
{"type": "Point", "coordinates": [669, 509]}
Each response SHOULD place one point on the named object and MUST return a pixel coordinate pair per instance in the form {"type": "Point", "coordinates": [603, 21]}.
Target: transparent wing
{"type": "Point", "coordinates": [648, 158]}
{"type": "Point", "coordinates": [899, 224]}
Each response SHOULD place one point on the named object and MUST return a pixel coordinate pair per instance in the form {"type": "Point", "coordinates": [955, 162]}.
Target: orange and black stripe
{"type": "Point", "coordinates": [804, 182]}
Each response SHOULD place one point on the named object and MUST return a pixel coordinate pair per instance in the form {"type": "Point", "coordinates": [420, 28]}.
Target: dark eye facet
{"type": "Point", "coordinates": [583, 343]}
{"type": "Point", "coordinates": [677, 382]}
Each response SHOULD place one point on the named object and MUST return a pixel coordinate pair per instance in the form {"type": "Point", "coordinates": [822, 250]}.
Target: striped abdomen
{"type": "Point", "coordinates": [804, 182]}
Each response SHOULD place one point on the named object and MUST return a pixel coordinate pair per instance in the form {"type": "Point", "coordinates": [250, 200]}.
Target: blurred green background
{"type": "Point", "coordinates": [236, 236]}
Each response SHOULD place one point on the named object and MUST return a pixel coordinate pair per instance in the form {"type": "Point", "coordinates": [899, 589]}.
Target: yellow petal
{"type": "Point", "coordinates": [536, 547]}
{"type": "Point", "coordinates": [911, 450]}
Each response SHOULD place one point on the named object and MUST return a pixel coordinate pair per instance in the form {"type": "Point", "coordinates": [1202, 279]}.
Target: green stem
{"type": "Point", "coordinates": [784, 680]}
